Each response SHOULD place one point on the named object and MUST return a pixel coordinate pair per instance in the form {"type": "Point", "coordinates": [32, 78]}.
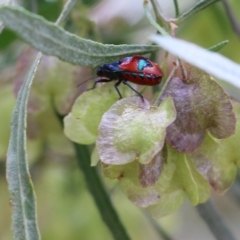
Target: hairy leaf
{"type": "Point", "coordinates": [18, 177]}
{"type": "Point", "coordinates": [52, 40]}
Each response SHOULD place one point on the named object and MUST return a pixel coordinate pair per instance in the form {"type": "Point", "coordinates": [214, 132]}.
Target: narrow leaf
{"type": "Point", "coordinates": [211, 62]}
{"type": "Point", "coordinates": [6, 2]}
{"type": "Point", "coordinates": [51, 39]}
{"type": "Point", "coordinates": [218, 46]}
{"type": "Point", "coordinates": [1, 26]}
{"type": "Point", "coordinates": [200, 5]}
{"type": "Point", "coordinates": [19, 180]}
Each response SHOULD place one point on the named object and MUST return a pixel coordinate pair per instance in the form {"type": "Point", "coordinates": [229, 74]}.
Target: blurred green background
{"type": "Point", "coordinates": [65, 208]}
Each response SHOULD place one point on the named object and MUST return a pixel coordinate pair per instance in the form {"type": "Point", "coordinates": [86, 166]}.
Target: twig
{"type": "Point", "coordinates": [232, 18]}
{"type": "Point", "coordinates": [99, 194]}
{"type": "Point", "coordinates": [161, 232]}
{"type": "Point", "coordinates": [214, 221]}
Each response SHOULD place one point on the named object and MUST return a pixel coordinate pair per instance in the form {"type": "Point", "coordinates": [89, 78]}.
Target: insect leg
{"type": "Point", "coordinates": [116, 87]}
{"type": "Point", "coordinates": [101, 80]}
{"type": "Point", "coordinates": [139, 94]}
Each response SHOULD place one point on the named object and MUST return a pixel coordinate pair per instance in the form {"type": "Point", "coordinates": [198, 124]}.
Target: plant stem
{"type": "Point", "coordinates": [234, 190]}
{"type": "Point", "coordinates": [159, 18]}
{"type": "Point", "coordinates": [173, 72]}
{"type": "Point", "coordinates": [214, 221]}
{"type": "Point", "coordinates": [176, 8]}
{"type": "Point", "coordinates": [232, 18]}
{"type": "Point", "coordinates": [183, 70]}
{"type": "Point", "coordinates": [161, 232]}
{"type": "Point", "coordinates": [156, 24]}
{"type": "Point", "coordinates": [96, 188]}
{"type": "Point", "coordinates": [99, 194]}
{"type": "Point", "coordinates": [66, 9]}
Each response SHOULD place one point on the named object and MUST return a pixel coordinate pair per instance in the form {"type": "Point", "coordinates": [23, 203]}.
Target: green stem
{"type": "Point", "coordinates": [159, 18]}
{"type": "Point", "coordinates": [232, 18]}
{"type": "Point", "coordinates": [66, 9]}
{"type": "Point", "coordinates": [234, 190]}
{"type": "Point", "coordinates": [160, 21]}
{"type": "Point", "coordinates": [183, 70]}
{"type": "Point", "coordinates": [99, 194]}
{"type": "Point", "coordinates": [176, 8]}
{"type": "Point", "coordinates": [160, 231]}
{"type": "Point", "coordinates": [214, 221]}
{"type": "Point", "coordinates": [173, 72]}
{"type": "Point", "coordinates": [96, 188]}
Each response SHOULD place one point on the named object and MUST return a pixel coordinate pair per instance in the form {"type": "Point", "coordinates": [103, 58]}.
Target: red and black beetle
{"type": "Point", "coordinates": [136, 69]}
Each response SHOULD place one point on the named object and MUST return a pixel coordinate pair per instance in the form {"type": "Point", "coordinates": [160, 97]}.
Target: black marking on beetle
{"type": "Point", "coordinates": [149, 77]}
{"type": "Point", "coordinates": [134, 75]}
{"type": "Point", "coordinates": [141, 76]}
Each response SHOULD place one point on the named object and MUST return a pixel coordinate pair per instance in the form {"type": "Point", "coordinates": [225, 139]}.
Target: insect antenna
{"type": "Point", "coordinates": [85, 81]}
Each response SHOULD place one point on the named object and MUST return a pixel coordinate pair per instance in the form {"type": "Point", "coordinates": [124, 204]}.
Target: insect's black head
{"type": "Point", "coordinates": [108, 69]}
{"type": "Point", "coordinates": [104, 69]}
{"type": "Point", "coordinates": [100, 71]}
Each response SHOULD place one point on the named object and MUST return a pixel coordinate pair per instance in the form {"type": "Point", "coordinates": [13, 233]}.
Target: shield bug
{"type": "Point", "coordinates": [136, 69]}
